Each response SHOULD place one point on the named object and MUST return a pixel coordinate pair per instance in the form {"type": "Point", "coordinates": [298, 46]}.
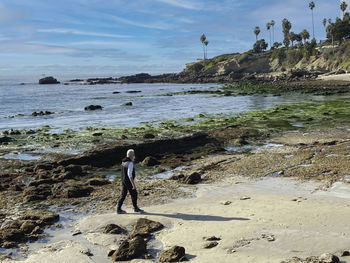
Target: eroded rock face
{"type": "Point", "coordinates": [175, 254]}
{"type": "Point", "coordinates": [144, 227]}
{"type": "Point", "coordinates": [130, 249]}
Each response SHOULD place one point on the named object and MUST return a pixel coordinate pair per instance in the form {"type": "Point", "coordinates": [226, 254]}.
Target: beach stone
{"type": "Point", "coordinates": [96, 134]}
{"type": "Point", "coordinates": [116, 92]}
{"type": "Point", "coordinates": [93, 107]}
{"type": "Point", "coordinates": [150, 161]}
{"type": "Point", "coordinates": [174, 254]}
{"type": "Point", "coordinates": [36, 230]}
{"type": "Point", "coordinates": [98, 182]}
{"type": "Point", "coordinates": [211, 245]}
{"type": "Point", "coordinates": [127, 104]}
{"type": "Point", "coordinates": [114, 229]}
{"type": "Point", "coordinates": [226, 202]}
{"type": "Point", "coordinates": [148, 136]}
{"type": "Point", "coordinates": [213, 238]}
{"type": "Point", "coordinates": [130, 249]}
{"type": "Point", "coordinates": [144, 227]}
{"type": "Point", "coordinates": [133, 91]}
{"type": "Point", "coordinates": [193, 178]}
{"type": "Point", "coordinates": [243, 198]}
{"type": "Point", "coordinates": [328, 258]}
{"type": "Point", "coordinates": [48, 80]}
{"type": "Point", "coordinates": [41, 113]}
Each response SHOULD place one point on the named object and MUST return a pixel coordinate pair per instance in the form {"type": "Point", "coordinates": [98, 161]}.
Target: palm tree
{"type": "Point", "coordinates": [293, 37]}
{"type": "Point", "coordinates": [268, 27]}
{"type": "Point", "coordinates": [305, 35]}
{"type": "Point", "coordinates": [343, 7]}
{"type": "Point", "coordinates": [203, 39]}
{"type": "Point", "coordinates": [286, 26]}
{"type": "Point", "coordinates": [257, 32]}
{"type": "Point", "coordinates": [324, 22]}
{"type": "Point", "coordinates": [312, 6]}
{"type": "Point", "coordinates": [273, 30]}
{"type": "Point", "coordinates": [206, 42]}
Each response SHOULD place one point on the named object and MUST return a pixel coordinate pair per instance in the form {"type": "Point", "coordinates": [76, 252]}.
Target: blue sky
{"type": "Point", "coordinates": [118, 37]}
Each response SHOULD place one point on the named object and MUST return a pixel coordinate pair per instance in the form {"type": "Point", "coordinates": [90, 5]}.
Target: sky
{"type": "Point", "coordinates": [121, 37]}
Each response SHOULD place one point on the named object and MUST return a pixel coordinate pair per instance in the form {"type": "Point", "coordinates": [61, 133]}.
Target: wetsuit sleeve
{"type": "Point", "coordinates": [130, 169]}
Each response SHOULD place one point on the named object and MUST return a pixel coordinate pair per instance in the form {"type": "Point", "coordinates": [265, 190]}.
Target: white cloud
{"type": "Point", "coordinates": [77, 32]}
{"type": "Point", "coordinates": [182, 4]}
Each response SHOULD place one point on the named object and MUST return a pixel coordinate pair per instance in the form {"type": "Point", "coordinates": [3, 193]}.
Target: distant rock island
{"type": "Point", "coordinates": [48, 80]}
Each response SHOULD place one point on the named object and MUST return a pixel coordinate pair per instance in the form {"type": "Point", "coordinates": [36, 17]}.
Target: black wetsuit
{"type": "Point", "coordinates": [126, 185]}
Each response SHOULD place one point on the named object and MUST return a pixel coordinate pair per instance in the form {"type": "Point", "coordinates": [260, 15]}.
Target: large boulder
{"type": "Point", "coordinates": [48, 80]}
{"type": "Point", "coordinates": [144, 227]}
{"type": "Point", "coordinates": [175, 254]}
{"type": "Point", "coordinates": [130, 249]}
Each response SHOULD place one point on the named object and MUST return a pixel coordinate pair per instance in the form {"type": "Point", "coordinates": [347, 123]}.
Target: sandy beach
{"type": "Point", "coordinates": [264, 220]}
{"type": "Point", "coordinates": [340, 77]}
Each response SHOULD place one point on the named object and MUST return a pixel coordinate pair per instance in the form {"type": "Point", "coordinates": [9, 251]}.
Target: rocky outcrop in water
{"type": "Point", "coordinates": [93, 107]}
{"type": "Point", "coordinates": [48, 80]}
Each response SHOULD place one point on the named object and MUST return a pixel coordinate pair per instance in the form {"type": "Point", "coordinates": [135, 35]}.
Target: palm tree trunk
{"type": "Point", "coordinates": [273, 34]}
{"type": "Point", "coordinates": [203, 51]}
{"type": "Point", "coordinates": [313, 24]}
{"type": "Point", "coordinates": [270, 39]}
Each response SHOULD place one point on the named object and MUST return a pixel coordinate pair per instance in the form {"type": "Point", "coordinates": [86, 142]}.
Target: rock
{"type": "Point", "coordinates": [243, 198]}
{"type": "Point", "coordinates": [36, 193]}
{"type": "Point", "coordinates": [133, 91]}
{"type": "Point", "coordinates": [175, 254]}
{"type": "Point", "coordinates": [226, 202]}
{"type": "Point", "coordinates": [97, 134]}
{"type": "Point", "coordinates": [72, 190]}
{"type": "Point", "coordinates": [131, 249]}
{"type": "Point", "coordinates": [149, 136]}
{"type": "Point", "coordinates": [127, 104]}
{"type": "Point", "coordinates": [36, 230]}
{"type": "Point", "coordinates": [344, 253]}
{"type": "Point", "coordinates": [5, 139]}
{"type": "Point", "coordinates": [42, 181]}
{"type": "Point", "coordinates": [12, 235]}
{"type": "Point", "coordinates": [116, 92]}
{"type": "Point", "coordinates": [193, 178]}
{"type": "Point", "coordinates": [76, 233]}
{"type": "Point", "coordinates": [48, 80]}
{"type": "Point", "coordinates": [144, 227]}
{"type": "Point", "coordinates": [177, 177]}
{"type": "Point", "coordinates": [41, 113]}
{"type": "Point", "coordinates": [211, 245]}
{"type": "Point", "coordinates": [27, 227]}
{"type": "Point", "coordinates": [213, 238]}
{"type": "Point", "coordinates": [114, 229]}
{"type": "Point", "coordinates": [98, 182]}
{"type": "Point", "coordinates": [76, 170]}
{"type": "Point", "coordinates": [328, 258]}
{"type": "Point", "coordinates": [43, 166]}
{"type": "Point", "coordinates": [240, 141]}
{"type": "Point", "coordinates": [150, 161]}
{"type": "Point", "coordinates": [93, 107]}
